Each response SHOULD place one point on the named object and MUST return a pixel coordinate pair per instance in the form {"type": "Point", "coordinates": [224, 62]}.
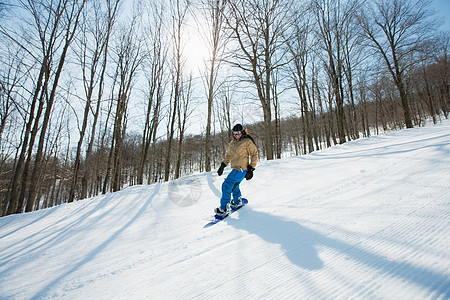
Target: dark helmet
{"type": "Point", "coordinates": [237, 130]}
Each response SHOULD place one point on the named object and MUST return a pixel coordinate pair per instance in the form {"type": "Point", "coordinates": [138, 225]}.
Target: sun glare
{"type": "Point", "coordinates": [195, 51]}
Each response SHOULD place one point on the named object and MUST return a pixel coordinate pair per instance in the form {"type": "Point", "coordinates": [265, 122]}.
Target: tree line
{"type": "Point", "coordinates": [99, 95]}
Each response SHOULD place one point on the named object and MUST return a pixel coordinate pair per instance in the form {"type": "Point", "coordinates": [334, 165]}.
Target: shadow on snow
{"type": "Point", "coordinates": [300, 245]}
{"type": "Point", "coordinates": [92, 254]}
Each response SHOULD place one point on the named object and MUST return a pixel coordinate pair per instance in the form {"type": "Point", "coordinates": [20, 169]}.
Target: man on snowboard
{"type": "Point", "coordinates": [239, 150]}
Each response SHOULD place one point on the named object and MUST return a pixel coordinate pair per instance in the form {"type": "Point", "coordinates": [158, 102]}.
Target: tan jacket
{"type": "Point", "coordinates": [238, 153]}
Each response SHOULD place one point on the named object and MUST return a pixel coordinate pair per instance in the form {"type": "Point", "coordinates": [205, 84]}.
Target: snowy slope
{"type": "Point", "coordinates": [365, 220]}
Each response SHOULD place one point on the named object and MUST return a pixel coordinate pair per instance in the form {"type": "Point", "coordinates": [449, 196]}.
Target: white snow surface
{"type": "Point", "coordinates": [368, 219]}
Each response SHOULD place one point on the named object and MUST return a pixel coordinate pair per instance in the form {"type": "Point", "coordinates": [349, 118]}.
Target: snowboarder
{"type": "Point", "coordinates": [239, 150]}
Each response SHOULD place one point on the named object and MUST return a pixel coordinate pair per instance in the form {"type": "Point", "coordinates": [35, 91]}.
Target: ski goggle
{"type": "Point", "coordinates": [237, 132]}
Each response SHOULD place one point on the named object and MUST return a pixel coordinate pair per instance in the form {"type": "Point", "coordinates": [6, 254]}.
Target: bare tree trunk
{"type": "Point", "coordinates": [15, 205]}
{"type": "Point", "coordinates": [101, 36]}
{"type": "Point", "coordinates": [277, 113]}
{"type": "Point", "coordinates": [118, 136]}
{"type": "Point", "coordinates": [214, 16]}
{"type": "Point", "coordinates": [445, 83]}
{"type": "Point", "coordinates": [351, 54]}
{"type": "Point", "coordinates": [129, 58]}
{"type": "Point", "coordinates": [156, 85]}
{"type": "Point", "coordinates": [429, 96]}
{"type": "Point", "coordinates": [106, 181]}
{"type": "Point", "coordinates": [178, 19]}
{"type": "Point", "coordinates": [74, 13]}
{"type": "Point", "coordinates": [331, 19]}
{"type": "Point", "coordinates": [300, 50]}
{"type": "Point", "coordinates": [183, 114]}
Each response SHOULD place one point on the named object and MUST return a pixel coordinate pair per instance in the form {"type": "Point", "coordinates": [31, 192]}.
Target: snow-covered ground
{"type": "Point", "coordinates": [368, 219]}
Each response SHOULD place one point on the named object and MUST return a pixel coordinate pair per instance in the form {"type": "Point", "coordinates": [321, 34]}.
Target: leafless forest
{"type": "Point", "coordinates": [99, 95]}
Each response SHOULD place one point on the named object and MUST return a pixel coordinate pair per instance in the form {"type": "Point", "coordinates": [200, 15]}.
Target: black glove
{"type": "Point", "coordinates": [249, 174]}
{"type": "Point", "coordinates": [222, 166]}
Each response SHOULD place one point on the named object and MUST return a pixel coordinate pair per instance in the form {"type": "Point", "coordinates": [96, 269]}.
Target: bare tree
{"type": "Point", "coordinates": [154, 71]}
{"type": "Point", "coordinates": [300, 48]}
{"type": "Point", "coordinates": [212, 23]}
{"type": "Point", "coordinates": [183, 112]}
{"type": "Point", "coordinates": [93, 43]}
{"type": "Point", "coordinates": [71, 13]}
{"type": "Point", "coordinates": [332, 18]}
{"type": "Point", "coordinates": [259, 30]}
{"type": "Point", "coordinates": [12, 77]}
{"type": "Point", "coordinates": [422, 78]}
{"type": "Point", "coordinates": [224, 111]}
{"type": "Point", "coordinates": [179, 9]}
{"type": "Point", "coordinates": [352, 59]}
{"type": "Point", "coordinates": [394, 29]}
{"type": "Point", "coordinates": [129, 51]}
{"type": "Point", "coordinates": [20, 171]}
{"type": "Point", "coordinates": [48, 28]}
{"type": "Point", "coordinates": [103, 37]}
{"type": "Point", "coordinates": [441, 57]}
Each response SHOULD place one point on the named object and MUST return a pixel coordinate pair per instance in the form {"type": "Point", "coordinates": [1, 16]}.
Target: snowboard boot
{"type": "Point", "coordinates": [236, 203]}
{"type": "Point", "coordinates": [221, 213]}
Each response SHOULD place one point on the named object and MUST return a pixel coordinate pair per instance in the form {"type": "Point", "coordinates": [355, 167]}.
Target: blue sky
{"type": "Point", "coordinates": [442, 8]}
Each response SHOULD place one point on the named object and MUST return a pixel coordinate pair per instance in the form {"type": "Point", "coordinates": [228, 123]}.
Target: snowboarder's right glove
{"type": "Point", "coordinates": [222, 166]}
{"type": "Point", "coordinates": [249, 174]}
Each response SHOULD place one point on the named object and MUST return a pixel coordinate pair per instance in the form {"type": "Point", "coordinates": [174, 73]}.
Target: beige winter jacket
{"type": "Point", "coordinates": [238, 153]}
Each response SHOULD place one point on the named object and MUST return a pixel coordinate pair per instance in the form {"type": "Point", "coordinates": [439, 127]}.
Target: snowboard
{"type": "Point", "coordinates": [216, 219]}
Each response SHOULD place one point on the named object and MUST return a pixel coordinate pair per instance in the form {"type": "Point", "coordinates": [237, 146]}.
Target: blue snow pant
{"type": "Point", "coordinates": [231, 186]}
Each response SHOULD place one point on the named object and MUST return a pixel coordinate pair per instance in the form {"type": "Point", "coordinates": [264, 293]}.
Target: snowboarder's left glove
{"type": "Point", "coordinates": [222, 166]}
{"type": "Point", "coordinates": [249, 174]}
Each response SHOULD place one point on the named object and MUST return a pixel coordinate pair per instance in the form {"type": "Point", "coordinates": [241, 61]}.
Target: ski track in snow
{"type": "Point", "coordinates": [368, 219]}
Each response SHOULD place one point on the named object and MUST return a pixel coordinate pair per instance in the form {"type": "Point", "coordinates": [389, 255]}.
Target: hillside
{"type": "Point", "coordinates": [368, 219]}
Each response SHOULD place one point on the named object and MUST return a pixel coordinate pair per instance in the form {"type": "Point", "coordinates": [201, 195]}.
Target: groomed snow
{"type": "Point", "coordinates": [368, 219]}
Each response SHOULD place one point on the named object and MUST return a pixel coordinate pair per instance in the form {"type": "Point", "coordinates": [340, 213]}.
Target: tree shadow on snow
{"type": "Point", "coordinates": [300, 245]}
{"type": "Point", "coordinates": [43, 293]}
